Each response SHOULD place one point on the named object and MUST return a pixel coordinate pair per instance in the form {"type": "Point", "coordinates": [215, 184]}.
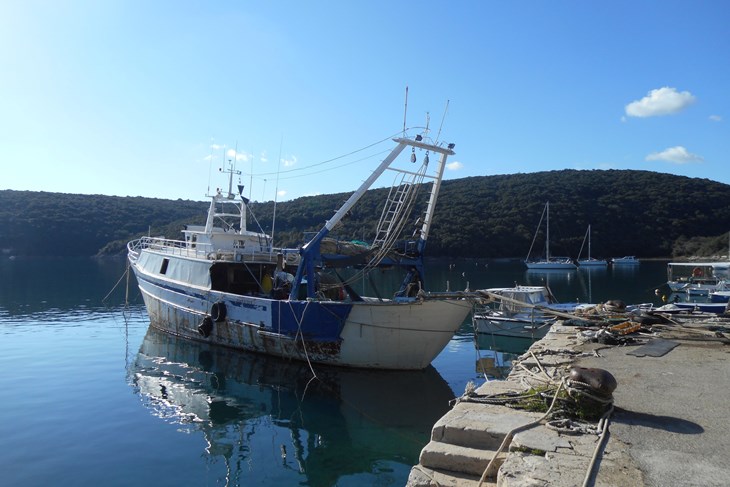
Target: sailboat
{"type": "Point", "coordinates": [548, 263]}
{"type": "Point", "coordinates": [589, 261]}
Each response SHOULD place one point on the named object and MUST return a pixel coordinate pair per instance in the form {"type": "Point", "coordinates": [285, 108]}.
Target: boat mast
{"type": "Point", "coordinates": [589, 241]}
{"type": "Point", "coordinates": [428, 218]}
{"type": "Point", "coordinates": [547, 233]}
{"type": "Point", "coordinates": [229, 197]}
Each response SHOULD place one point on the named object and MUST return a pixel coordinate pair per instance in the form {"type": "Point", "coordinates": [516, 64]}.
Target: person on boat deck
{"type": "Point", "coordinates": [414, 285]}
{"type": "Point", "coordinates": [282, 285]}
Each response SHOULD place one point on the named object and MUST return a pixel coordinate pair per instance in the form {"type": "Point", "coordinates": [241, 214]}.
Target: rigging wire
{"type": "Point", "coordinates": [259, 176]}
{"type": "Point", "coordinates": [405, 112]}
{"type": "Point", "coordinates": [536, 232]}
{"type": "Point", "coordinates": [331, 160]}
{"type": "Point", "coordinates": [336, 167]}
{"type": "Point", "coordinates": [438, 134]}
{"type": "Point", "coordinates": [398, 222]}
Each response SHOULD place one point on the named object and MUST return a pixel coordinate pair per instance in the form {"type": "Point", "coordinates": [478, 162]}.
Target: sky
{"type": "Point", "coordinates": [140, 98]}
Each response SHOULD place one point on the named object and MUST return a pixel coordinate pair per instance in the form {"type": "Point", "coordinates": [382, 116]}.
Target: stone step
{"type": "Point", "coordinates": [471, 461]}
{"type": "Point", "coordinates": [480, 426]}
{"type": "Point", "coordinates": [427, 477]}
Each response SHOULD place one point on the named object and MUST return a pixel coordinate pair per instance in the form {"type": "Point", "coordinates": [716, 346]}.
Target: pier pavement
{"type": "Point", "coordinates": [668, 426]}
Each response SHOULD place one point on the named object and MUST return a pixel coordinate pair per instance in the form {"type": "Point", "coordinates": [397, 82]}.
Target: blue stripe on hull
{"type": "Point", "coordinates": [252, 324]}
{"type": "Point", "coordinates": [319, 321]}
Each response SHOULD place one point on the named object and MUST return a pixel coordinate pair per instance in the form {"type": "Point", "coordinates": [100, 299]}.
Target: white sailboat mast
{"type": "Point", "coordinates": [589, 242]}
{"type": "Point", "coordinates": [547, 233]}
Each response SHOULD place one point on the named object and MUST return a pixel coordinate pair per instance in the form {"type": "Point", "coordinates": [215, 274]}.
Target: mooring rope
{"type": "Point", "coordinates": [508, 438]}
{"type": "Point", "coordinates": [301, 334]}
{"type": "Point", "coordinates": [573, 388]}
{"type": "Point", "coordinates": [603, 428]}
{"type": "Point", "coordinates": [124, 274]}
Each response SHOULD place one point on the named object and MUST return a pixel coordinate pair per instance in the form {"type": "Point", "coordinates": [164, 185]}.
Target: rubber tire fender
{"type": "Point", "coordinates": [218, 311]}
{"type": "Point", "coordinates": [205, 327]}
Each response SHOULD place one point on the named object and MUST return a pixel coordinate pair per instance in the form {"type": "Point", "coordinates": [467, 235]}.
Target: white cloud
{"type": "Point", "coordinates": [282, 192]}
{"type": "Point", "coordinates": [677, 155]}
{"type": "Point", "coordinates": [716, 118]}
{"type": "Point", "coordinates": [454, 166]}
{"type": "Point", "coordinates": [215, 146]}
{"type": "Point", "coordinates": [289, 162]}
{"type": "Point", "coordinates": [662, 101]}
{"type": "Point", "coordinates": [239, 156]}
{"type": "Point", "coordinates": [263, 157]}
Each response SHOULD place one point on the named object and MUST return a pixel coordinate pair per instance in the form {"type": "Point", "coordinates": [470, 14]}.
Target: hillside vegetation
{"type": "Point", "coordinates": [639, 213]}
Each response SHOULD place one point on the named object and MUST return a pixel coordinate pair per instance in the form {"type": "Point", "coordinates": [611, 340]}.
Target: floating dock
{"type": "Point", "coordinates": [666, 422]}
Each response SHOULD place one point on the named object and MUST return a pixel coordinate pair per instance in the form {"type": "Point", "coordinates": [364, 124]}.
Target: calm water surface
{"type": "Point", "coordinates": [91, 397]}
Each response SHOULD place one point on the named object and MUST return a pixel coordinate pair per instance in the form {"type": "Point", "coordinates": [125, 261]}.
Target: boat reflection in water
{"type": "Point", "coordinates": [270, 421]}
{"type": "Point", "coordinates": [549, 277]}
{"type": "Point", "coordinates": [496, 353]}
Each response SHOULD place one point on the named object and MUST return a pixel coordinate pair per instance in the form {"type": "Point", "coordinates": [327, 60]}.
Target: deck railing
{"type": "Point", "coordinates": [206, 251]}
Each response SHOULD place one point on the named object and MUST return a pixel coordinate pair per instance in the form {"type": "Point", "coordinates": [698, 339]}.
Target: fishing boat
{"type": "Point", "coordinates": [719, 296]}
{"type": "Point", "coordinates": [589, 261]}
{"type": "Point", "coordinates": [698, 307]}
{"type": "Point", "coordinates": [519, 311]}
{"type": "Point", "coordinates": [549, 262]}
{"type": "Point", "coordinates": [228, 285]}
{"type": "Point", "coordinates": [698, 278]}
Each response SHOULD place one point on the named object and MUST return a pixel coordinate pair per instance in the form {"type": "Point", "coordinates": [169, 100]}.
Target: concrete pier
{"type": "Point", "coordinates": [669, 424]}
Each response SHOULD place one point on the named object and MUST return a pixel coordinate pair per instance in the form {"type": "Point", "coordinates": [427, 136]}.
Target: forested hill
{"type": "Point", "coordinates": [639, 213]}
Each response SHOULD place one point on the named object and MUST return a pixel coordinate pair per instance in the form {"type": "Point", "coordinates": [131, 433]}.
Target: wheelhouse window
{"type": "Point", "coordinates": [163, 267]}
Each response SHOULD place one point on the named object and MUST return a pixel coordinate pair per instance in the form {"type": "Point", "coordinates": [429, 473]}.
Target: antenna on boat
{"type": "Point", "coordinates": [231, 171]}
{"type": "Point", "coordinates": [405, 112]}
{"type": "Point", "coordinates": [230, 179]}
{"type": "Point", "coordinates": [250, 183]}
{"type": "Point", "coordinates": [210, 167]}
{"type": "Point", "coordinates": [442, 122]}
{"type": "Point", "coordinates": [276, 194]}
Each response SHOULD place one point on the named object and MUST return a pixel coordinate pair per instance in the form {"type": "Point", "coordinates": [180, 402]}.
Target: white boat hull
{"type": "Point", "coordinates": [374, 334]}
{"type": "Point", "coordinates": [511, 327]}
{"type": "Point", "coordinates": [400, 335]}
{"type": "Point", "coordinates": [550, 265]}
{"type": "Point", "coordinates": [717, 308]}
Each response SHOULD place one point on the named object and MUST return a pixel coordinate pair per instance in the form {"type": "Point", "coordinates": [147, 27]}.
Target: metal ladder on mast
{"type": "Point", "coordinates": [391, 218]}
